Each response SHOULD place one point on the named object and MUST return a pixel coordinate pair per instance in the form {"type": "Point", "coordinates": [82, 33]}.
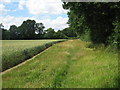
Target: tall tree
{"type": "Point", "coordinates": [27, 29]}
{"type": "Point", "coordinates": [49, 33]}
{"type": "Point", "coordinates": [39, 28]}
{"type": "Point", "coordinates": [1, 26]}
{"type": "Point", "coordinates": [13, 32]}
{"type": "Point", "coordinates": [5, 34]}
{"type": "Point", "coordinates": [94, 16]}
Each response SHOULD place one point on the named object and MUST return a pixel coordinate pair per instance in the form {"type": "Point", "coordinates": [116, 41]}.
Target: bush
{"type": "Point", "coordinates": [86, 36]}
{"type": "Point", "coordinates": [113, 40]}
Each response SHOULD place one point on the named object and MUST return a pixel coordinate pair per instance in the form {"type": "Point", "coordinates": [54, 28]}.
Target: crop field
{"type": "Point", "coordinates": [69, 64]}
{"type": "Point", "coordinates": [16, 51]}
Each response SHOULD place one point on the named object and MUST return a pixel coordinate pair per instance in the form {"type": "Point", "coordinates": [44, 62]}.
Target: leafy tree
{"type": "Point", "coordinates": [39, 34]}
{"type": "Point", "coordinates": [5, 34]}
{"type": "Point", "coordinates": [69, 32]}
{"type": "Point", "coordinates": [13, 32]}
{"type": "Point", "coordinates": [27, 29]}
{"type": "Point", "coordinates": [60, 35]}
{"type": "Point", "coordinates": [1, 26]}
{"type": "Point", "coordinates": [39, 28]}
{"type": "Point", "coordinates": [49, 33]}
{"type": "Point", "coordinates": [96, 17]}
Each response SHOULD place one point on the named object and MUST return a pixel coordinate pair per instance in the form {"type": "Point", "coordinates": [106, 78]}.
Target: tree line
{"type": "Point", "coordinates": [95, 21]}
{"type": "Point", "coordinates": [29, 29]}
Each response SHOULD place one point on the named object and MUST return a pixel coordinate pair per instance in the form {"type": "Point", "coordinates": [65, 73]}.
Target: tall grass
{"type": "Point", "coordinates": [17, 51]}
{"type": "Point", "coordinates": [69, 64]}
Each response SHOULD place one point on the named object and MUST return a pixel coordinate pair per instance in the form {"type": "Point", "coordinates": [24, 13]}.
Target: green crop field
{"type": "Point", "coordinates": [69, 64]}
{"type": "Point", "coordinates": [16, 51]}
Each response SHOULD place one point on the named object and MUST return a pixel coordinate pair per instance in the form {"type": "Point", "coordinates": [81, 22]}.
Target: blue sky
{"type": "Point", "coordinates": [49, 12]}
{"type": "Point", "coordinates": [14, 10]}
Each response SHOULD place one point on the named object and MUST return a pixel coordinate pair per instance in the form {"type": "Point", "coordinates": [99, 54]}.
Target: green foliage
{"type": "Point", "coordinates": [86, 35]}
{"type": "Point", "coordinates": [69, 32]}
{"type": "Point", "coordinates": [49, 33]}
{"type": "Point", "coordinates": [114, 39]}
{"type": "Point", "coordinates": [5, 34]}
{"type": "Point", "coordinates": [69, 64]}
{"type": "Point", "coordinates": [96, 17]}
{"type": "Point", "coordinates": [15, 52]}
{"type": "Point", "coordinates": [39, 28]}
{"type": "Point", "coordinates": [60, 35]}
{"type": "Point", "coordinates": [13, 32]}
{"type": "Point", "coordinates": [29, 29]}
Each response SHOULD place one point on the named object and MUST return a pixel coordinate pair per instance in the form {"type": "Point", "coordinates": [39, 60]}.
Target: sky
{"type": "Point", "coordinates": [48, 12]}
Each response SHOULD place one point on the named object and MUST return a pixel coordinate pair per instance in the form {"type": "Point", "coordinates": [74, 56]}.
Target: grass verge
{"type": "Point", "coordinates": [70, 64]}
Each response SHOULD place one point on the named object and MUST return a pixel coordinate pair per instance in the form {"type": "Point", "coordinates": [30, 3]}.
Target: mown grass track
{"type": "Point", "coordinates": [69, 64]}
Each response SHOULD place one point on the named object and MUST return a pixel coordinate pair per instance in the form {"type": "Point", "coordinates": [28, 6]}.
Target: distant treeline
{"type": "Point", "coordinates": [29, 29]}
{"type": "Point", "coordinates": [98, 22]}
{"type": "Point", "coordinates": [95, 21]}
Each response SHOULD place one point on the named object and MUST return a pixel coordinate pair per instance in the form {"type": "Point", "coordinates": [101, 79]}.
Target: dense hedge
{"type": "Point", "coordinates": [16, 58]}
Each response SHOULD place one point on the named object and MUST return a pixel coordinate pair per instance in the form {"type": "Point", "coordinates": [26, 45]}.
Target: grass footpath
{"type": "Point", "coordinates": [68, 64]}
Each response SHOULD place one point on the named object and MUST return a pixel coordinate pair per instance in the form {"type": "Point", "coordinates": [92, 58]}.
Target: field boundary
{"type": "Point", "coordinates": [18, 65]}
{"type": "Point", "coordinates": [7, 70]}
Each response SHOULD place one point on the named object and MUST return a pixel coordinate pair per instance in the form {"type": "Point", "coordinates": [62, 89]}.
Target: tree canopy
{"type": "Point", "coordinates": [100, 19]}
{"type": "Point", "coordinates": [27, 30]}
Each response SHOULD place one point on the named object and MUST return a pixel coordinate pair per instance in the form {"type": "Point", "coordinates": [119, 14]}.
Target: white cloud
{"type": "Point", "coordinates": [21, 4]}
{"type": "Point", "coordinates": [35, 7]}
{"type": "Point", "coordinates": [11, 20]}
{"type": "Point", "coordinates": [45, 7]}
{"type": "Point", "coordinates": [58, 23]}
{"type": "Point", "coordinates": [6, 1]}
{"type": "Point", "coordinates": [2, 9]}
